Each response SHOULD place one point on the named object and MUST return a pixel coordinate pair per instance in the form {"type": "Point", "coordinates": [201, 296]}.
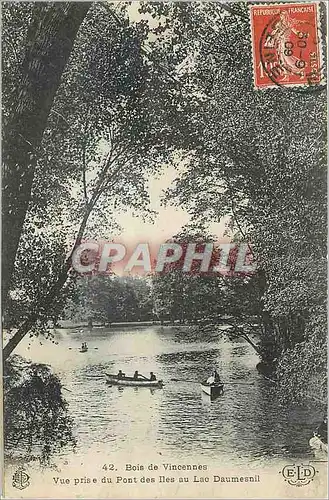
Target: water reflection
{"type": "Point", "coordinates": [244, 425]}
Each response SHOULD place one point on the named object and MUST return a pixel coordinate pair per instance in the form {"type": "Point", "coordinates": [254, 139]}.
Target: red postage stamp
{"type": "Point", "coordinates": [286, 45]}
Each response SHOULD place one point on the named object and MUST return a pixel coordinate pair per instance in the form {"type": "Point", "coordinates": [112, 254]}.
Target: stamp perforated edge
{"type": "Point", "coordinates": [321, 36]}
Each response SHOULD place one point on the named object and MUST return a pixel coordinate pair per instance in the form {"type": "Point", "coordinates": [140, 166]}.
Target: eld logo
{"type": "Point", "coordinates": [21, 479]}
{"type": "Point", "coordinates": [298, 475]}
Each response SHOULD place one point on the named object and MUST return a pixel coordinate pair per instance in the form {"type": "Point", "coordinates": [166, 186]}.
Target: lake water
{"type": "Point", "coordinates": [247, 425]}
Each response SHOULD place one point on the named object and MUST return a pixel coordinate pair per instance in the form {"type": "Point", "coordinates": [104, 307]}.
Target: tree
{"type": "Point", "coordinates": [36, 421]}
{"type": "Point", "coordinates": [112, 124]}
{"type": "Point", "coordinates": [248, 163]}
{"type": "Point", "coordinates": [48, 44]}
{"type": "Point", "coordinates": [110, 299]}
{"type": "Point", "coordinates": [188, 296]}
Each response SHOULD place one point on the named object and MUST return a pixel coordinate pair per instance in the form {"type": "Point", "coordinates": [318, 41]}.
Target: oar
{"type": "Point", "coordinates": [70, 348]}
{"type": "Point", "coordinates": [238, 383]}
{"type": "Point", "coordinates": [188, 381]}
{"type": "Point", "coordinates": [221, 382]}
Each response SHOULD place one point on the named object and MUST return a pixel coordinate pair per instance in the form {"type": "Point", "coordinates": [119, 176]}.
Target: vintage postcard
{"type": "Point", "coordinates": [164, 242]}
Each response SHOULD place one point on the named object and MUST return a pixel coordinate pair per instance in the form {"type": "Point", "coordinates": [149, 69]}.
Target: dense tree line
{"type": "Point", "coordinates": [110, 299]}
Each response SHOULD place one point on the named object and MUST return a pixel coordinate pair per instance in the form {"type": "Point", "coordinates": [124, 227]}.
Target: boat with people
{"type": "Point", "coordinates": [213, 390]}
{"type": "Point", "coordinates": [213, 386]}
{"type": "Point", "coordinates": [137, 380]}
{"type": "Point", "coordinates": [84, 347]}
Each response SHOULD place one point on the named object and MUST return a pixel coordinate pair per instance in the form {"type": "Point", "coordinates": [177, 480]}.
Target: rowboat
{"type": "Point", "coordinates": [213, 390]}
{"type": "Point", "coordinates": [83, 349]}
{"type": "Point", "coordinates": [132, 382]}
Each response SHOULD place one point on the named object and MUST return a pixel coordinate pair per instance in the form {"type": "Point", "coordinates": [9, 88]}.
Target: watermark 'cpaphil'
{"type": "Point", "coordinates": [227, 259]}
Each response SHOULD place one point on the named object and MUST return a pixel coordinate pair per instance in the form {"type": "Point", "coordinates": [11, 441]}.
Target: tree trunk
{"type": "Point", "coordinates": [32, 319]}
{"type": "Point", "coordinates": [49, 43]}
{"type": "Point", "coordinates": [63, 275]}
{"type": "Point", "coordinates": [253, 345]}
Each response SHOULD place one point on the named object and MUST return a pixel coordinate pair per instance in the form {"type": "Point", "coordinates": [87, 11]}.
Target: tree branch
{"type": "Point", "coordinates": [63, 275]}
{"type": "Point", "coordinates": [84, 182]}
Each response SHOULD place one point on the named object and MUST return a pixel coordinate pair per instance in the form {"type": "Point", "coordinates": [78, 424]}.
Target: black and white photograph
{"type": "Point", "coordinates": [164, 249]}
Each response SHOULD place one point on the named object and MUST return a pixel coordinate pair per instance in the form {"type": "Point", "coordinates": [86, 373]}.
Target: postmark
{"type": "Point", "coordinates": [286, 44]}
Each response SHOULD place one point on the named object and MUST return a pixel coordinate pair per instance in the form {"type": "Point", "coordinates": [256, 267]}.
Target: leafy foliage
{"type": "Point", "coordinates": [36, 421]}
{"type": "Point", "coordinates": [110, 299]}
{"type": "Point", "coordinates": [114, 122]}
{"type": "Point", "coordinates": [302, 370]}
{"type": "Point", "coordinates": [181, 296]}
{"type": "Point", "coordinates": [269, 177]}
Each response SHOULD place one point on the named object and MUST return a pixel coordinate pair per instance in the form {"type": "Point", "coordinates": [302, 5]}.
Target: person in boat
{"type": "Point", "coordinates": [210, 380]}
{"type": "Point", "coordinates": [214, 379]}
{"type": "Point", "coordinates": [136, 375]}
{"type": "Point", "coordinates": [120, 374]}
{"type": "Point", "coordinates": [152, 376]}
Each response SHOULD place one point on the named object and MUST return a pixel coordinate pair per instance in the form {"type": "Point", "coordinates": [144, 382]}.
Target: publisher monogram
{"type": "Point", "coordinates": [298, 475]}
{"type": "Point", "coordinates": [21, 479]}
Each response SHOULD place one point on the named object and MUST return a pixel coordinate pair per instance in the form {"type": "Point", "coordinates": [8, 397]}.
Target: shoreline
{"type": "Point", "coordinates": [121, 324]}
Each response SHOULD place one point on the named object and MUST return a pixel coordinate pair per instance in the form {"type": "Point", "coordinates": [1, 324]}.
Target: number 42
{"type": "Point", "coordinates": [108, 467]}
